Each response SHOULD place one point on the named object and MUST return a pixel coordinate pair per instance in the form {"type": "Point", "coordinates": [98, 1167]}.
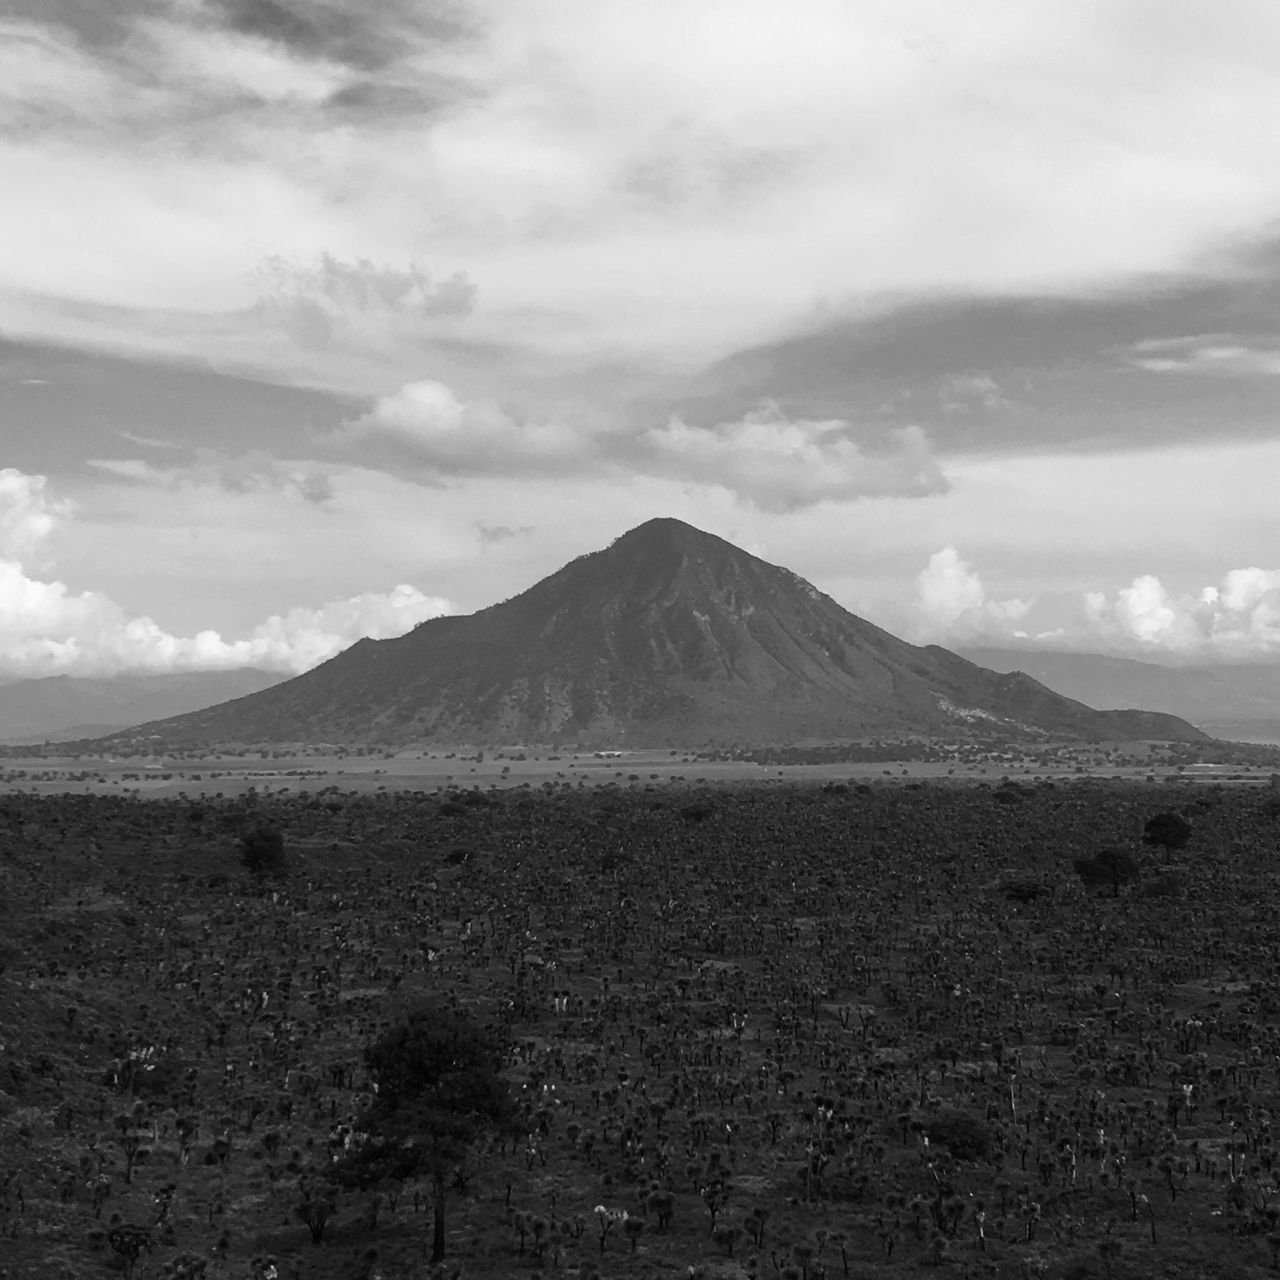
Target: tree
{"type": "Point", "coordinates": [965, 1135]}
{"type": "Point", "coordinates": [1168, 831]}
{"type": "Point", "coordinates": [262, 850]}
{"type": "Point", "coordinates": [439, 1088]}
{"type": "Point", "coordinates": [1114, 867]}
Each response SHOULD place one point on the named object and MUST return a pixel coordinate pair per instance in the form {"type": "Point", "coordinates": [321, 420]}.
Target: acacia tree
{"type": "Point", "coordinates": [1114, 867]}
{"type": "Point", "coordinates": [439, 1088]}
{"type": "Point", "coordinates": [262, 850]}
{"type": "Point", "coordinates": [1168, 831]}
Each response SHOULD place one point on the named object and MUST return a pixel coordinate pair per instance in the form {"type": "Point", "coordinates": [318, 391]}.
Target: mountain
{"type": "Point", "coordinates": [1240, 702]}
{"type": "Point", "coordinates": [671, 637]}
{"type": "Point", "coordinates": [60, 708]}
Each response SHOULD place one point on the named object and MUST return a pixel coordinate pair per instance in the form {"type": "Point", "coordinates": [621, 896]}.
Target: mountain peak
{"type": "Point", "coordinates": [663, 531]}
{"type": "Point", "coordinates": [664, 538]}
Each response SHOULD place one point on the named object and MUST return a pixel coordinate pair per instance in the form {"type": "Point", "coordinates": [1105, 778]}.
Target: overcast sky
{"type": "Point", "coordinates": [319, 318]}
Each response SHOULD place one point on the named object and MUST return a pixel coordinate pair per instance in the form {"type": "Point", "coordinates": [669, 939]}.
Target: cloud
{"type": "Point", "coordinates": [428, 425]}
{"type": "Point", "coordinates": [492, 534]}
{"type": "Point", "coordinates": [675, 179]}
{"type": "Point", "coordinates": [1239, 618]}
{"type": "Point", "coordinates": [779, 465]}
{"type": "Point", "coordinates": [252, 472]}
{"type": "Point", "coordinates": [968, 392]}
{"type": "Point", "coordinates": [336, 299]}
{"type": "Point", "coordinates": [46, 628]}
{"type": "Point", "coordinates": [764, 459]}
{"type": "Point", "coordinates": [28, 513]}
{"type": "Point", "coordinates": [952, 604]}
{"type": "Point", "coordinates": [1221, 355]}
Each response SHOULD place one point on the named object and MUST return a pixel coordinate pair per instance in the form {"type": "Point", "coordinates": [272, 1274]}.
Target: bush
{"type": "Point", "coordinates": [1022, 890]}
{"type": "Point", "coordinates": [965, 1135]}
{"type": "Point", "coordinates": [1171, 884]}
{"type": "Point", "coordinates": [262, 850]}
{"type": "Point", "coordinates": [696, 811]}
{"type": "Point", "coordinates": [1113, 867]}
{"type": "Point", "coordinates": [1168, 831]}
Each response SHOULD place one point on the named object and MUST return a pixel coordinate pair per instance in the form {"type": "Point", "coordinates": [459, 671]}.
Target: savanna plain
{"type": "Point", "coordinates": [801, 1021]}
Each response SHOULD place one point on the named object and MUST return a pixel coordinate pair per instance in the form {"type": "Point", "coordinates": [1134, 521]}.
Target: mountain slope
{"type": "Point", "coordinates": [670, 636]}
{"type": "Point", "coordinates": [60, 707]}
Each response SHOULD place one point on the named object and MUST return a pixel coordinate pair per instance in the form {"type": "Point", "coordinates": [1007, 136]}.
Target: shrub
{"type": "Point", "coordinates": [1022, 890]}
{"type": "Point", "coordinates": [1168, 831]}
{"type": "Point", "coordinates": [1113, 867]}
{"type": "Point", "coordinates": [262, 850]}
{"type": "Point", "coordinates": [965, 1135]}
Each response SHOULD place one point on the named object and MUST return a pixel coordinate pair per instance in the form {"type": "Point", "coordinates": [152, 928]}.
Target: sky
{"type": "Point", "coordinates": [319, 319]}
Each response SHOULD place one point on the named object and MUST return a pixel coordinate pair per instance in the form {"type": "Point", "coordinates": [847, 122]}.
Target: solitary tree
{"type": "Point", "coordinates": [262, 850]}
{"type": "Point", "coordinates": [1114, 867]}
{"type": "Point", "coordinates": [439, 1088]}
{"type": "Point", "coordinates": [1167, 831]}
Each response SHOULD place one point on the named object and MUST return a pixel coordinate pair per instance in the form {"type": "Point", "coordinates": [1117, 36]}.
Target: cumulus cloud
{"type": "Point", "coordinates": [429, 425]}
{"type": "Point", "coordinates": [777, 464]}
{"type": "Point", "coordinates": [765, 459]}
{"type": "Point", "coordinates": [46, 628]}
{"type": "Point", "coordinates": [28, 512]}
{"type": "Point", "coordinates": [952, 604]}
{"type": "Point", "coordinates": [1238, 618]}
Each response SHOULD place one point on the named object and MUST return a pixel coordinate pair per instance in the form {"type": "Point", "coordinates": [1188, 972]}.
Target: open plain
{"type": "Point", "coordinates": [857, 1026]}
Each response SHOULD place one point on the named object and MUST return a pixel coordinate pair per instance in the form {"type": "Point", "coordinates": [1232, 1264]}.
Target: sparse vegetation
{"type": "Point", "coordinates": [823, 1030]}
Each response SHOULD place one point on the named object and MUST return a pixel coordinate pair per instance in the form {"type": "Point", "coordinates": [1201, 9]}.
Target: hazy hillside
{"type": "Point", "coordinates": [66, 707]}
{"type": "Point", "coordinates": [1239, 701]}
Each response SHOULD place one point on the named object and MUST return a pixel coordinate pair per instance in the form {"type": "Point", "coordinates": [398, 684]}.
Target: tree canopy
{"type": "Point", "coordinates": [439, 1088]}
{"type": "Point", "coordinates": [262, 850]}
{"type": "Point", "coordinates": [1168, 831]}
{"type": "Point", "coordinates": [1110, 867]}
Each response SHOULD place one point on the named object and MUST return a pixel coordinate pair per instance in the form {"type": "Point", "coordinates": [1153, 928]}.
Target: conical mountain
{"type": "Point", "coordinates": [670, 636]}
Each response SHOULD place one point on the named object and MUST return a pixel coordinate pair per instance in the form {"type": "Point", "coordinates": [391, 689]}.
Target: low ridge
{"type": "Point", "coordinates": [668, 637]}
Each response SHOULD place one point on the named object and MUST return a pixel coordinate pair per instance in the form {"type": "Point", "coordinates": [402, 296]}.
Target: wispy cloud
{"type": "Point", "coordinates": [636, 169]}
{"type": "Point", "coordinates": [353, 301]}
{"type": "Point", "coordinates": [256, 471]}
{"type": "Point", "coordinates": [492, 534]}
{"type": "Point", "coordinates": [1220, 355]}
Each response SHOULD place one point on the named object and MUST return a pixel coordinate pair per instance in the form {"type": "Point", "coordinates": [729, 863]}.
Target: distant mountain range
{"type": "Point", "coordinates": [63, 708]}
{"type": "Point", "coordinates": [1240, 702]}
{"type": "Point", "coordinates": [670, 636]}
